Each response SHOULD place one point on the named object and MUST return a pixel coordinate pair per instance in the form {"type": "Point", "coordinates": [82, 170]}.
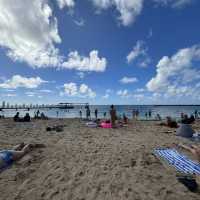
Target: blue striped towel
{"type": "Point", "coordinates": [181, 162]}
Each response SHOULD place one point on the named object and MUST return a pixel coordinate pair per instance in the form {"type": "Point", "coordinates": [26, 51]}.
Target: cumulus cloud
{"type": "Point", "coordinates": [174, 3]}
{"type": "Point", "coordinates": [126, 80]}
{"type": "Point", "coordinates": [29, 32]}
{"type": "Point", "coordinates": [128, 9]}
{"type": "Point", "coordinates": [176, 75]}
{"type": "Point", "coordinates": [19, 81]}
{"type": "Point", "coordinates": [66, 3]}
{"type": "Point", "coordinates": [123, 93]}
{"type": "Point", "coordinates": [72, 89]}
{"type": "Point", "coordinates": [82, 63]}
{"type": "Point", "coordinates": [139, 51]}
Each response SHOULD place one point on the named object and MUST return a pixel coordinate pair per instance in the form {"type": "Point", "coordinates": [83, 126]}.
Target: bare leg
{"type": "Point", "coordinates": [19, 154]}
{"type": "Point", "coordinates": [195, 150]}
{"type": "Point", "coordinates": [18, 147]}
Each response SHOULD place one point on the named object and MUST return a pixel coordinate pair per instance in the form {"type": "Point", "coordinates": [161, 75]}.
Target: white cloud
{"type": "Point", "coordinates": [66, 3]}
{"type": "Point", "coordinates": [30, 33]}
{"type": "Point", "coordinates": [30, 94]}
{"type": "Point", "coordinates": [138, 97]}
{"type": "Point", "coordinates": [80, 22]}
{"type": "Point", "coordinates": [71, 89]}
{"type": "Point", "coordinates": [81, 75]}
{"type": "Point", "coordinates": [45, 91]}
{"type": "Point", "coordinates": [123, 93]}
{"type": "Point", "coordinates": [177, 75]}
{"type": "Point", "coordinates": [174, 3]}
{"type": "Point", "coordinates": [128, 9]}
{"type": "Point", "coordinates": [107, 94]}
{"type": "Point", "coordinates": [9, 95]}
{"type": "Point", "coordinates": [86, 91]}
{"type": "Point", "coordinates": [82, 63]}
{"type": "Point", "coordinates": [19, 81]}
{"type": "Point", "coordinates": [140, 90]}
{"type": "Point", "coordinates": [126, 80]}
{"type": "Point", "coordinates": [139, 50]}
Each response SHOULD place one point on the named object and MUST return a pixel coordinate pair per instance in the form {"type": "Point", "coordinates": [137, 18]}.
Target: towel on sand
{"type": "Point", "coordinates": [181, 162]}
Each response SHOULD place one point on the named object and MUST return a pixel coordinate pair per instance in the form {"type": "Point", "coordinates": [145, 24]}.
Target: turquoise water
{"type": "Point", "coordinates": [173, 111]}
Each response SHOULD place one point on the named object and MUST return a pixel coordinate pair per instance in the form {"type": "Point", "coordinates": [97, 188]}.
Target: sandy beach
{"type": "Point", "coordinates": [84, 163]}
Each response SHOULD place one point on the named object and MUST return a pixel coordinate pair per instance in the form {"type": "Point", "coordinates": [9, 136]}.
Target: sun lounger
{"type": "Point", "coordinates": [181, 162]}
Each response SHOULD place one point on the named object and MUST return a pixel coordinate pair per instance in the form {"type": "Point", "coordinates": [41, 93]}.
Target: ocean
{"type": "Point", "coordinates": [164, 111]}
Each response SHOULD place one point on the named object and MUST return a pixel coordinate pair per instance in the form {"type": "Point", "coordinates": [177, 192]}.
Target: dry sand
{"type": "Point", "coordinates": [83, 163]}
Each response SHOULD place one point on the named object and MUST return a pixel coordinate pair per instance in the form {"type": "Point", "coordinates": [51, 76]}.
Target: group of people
{"type": "Point", "coordinates": [26, 118]}
{"type": "Point", "coordinates": [148, 114]}
{"type": "Point", "coordinates": [135, 113]}
{"type": "Point", "coordinates": [187, 120]}
{"type": "Point", "coordinates": [38, 115]}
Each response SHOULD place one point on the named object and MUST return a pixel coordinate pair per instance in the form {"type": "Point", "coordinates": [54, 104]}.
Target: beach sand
{"type": "Point", "coordinates": [83, 163]}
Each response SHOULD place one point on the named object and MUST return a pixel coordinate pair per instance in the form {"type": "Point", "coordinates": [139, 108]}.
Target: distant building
{"type": "Point", "coordinates": [3, 104]}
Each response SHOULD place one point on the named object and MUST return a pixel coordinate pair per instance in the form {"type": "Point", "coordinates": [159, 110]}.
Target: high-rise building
{"type": "Point", "coordinates": [3, 104]}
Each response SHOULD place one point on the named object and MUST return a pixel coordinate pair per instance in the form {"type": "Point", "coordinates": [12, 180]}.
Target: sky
{"type": "Point", "coordinates": [100, 51]}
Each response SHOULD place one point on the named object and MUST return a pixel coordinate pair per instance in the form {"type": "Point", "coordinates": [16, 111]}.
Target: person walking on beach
{"type": "Point", "coordinates": [96, 113]}
{"type": "Point", "coordinates": [113, 115]}
{"type": "Point", "coordinates": [146, 115]}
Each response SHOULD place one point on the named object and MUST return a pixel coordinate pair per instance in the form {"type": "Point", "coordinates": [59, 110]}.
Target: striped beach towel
{"type": "Point", "coordinates": [181, 162]}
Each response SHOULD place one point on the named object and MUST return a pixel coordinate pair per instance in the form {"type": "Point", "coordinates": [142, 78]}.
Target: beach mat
{"type": "Point", "coordinates": [179, 161]}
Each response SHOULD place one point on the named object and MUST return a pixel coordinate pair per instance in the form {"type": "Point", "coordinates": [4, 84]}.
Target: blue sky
{"type": "Point", "coordinates": [100, 51]}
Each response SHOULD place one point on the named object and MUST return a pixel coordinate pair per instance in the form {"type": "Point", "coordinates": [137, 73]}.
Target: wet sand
{"type": "Point", "coordinates": [83, 163]}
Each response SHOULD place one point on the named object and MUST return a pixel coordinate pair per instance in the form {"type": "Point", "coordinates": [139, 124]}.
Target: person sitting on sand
{"type": "Point", "coordinates": [16, 118]}
{"type": "Point", "coordinates": [27, 118]}
{"type": "Point", "coordinates": [113, 115]}
{"type": "Point", "coordinates": [188, 120]}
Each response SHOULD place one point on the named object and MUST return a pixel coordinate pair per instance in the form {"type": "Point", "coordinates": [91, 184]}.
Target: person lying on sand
{"type": "Point", "coordinates": [7, 157]}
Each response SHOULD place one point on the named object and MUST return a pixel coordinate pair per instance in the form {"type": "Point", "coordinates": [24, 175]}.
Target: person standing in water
{"type": "Point", "coordinates": [149, 113]}
{"type": "Point", "coordinates": [96, 113]}
{"type": "Point", "coordinates": [113, 115]}
{"type": "Point", "coordinates": [80, 114]}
